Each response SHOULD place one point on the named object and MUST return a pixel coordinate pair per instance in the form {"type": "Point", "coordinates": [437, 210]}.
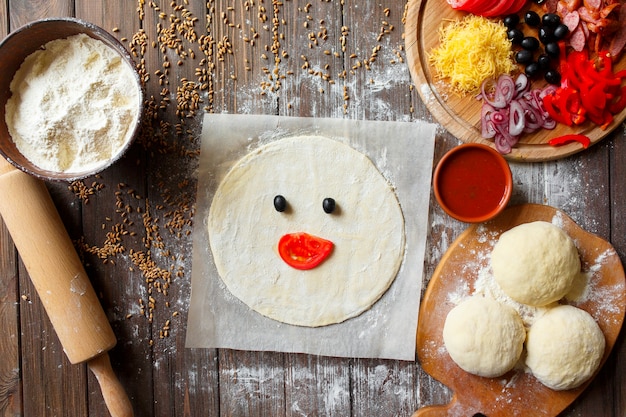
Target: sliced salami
{"type": "Point", "coordinates": [619, 38]}
{"type": "Point", "coordinates": [593, 6]}
{"type": "Point", "coordinates": [586, 15]}
{"type": "Point", "coordinates": [571, 20]}
{"type": "Point", "coordinates": [577, 39]}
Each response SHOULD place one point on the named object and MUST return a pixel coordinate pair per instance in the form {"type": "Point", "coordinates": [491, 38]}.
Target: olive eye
{"type": "Point", "coordinates": [328, 205]}
{"type": "Point", "coordinates": [280, 204]}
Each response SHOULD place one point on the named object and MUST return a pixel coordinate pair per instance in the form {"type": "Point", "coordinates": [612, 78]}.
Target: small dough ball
{"type": "Point", "coordinates": [484, 337]}
{"type": "Point", "coordinates": [535, 263]}
{"type": "Point", "coordinates": [564, 347]}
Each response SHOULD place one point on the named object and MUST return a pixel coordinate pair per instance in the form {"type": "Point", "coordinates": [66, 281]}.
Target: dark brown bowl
{"type": "Point", "coordinates": [23, 42]}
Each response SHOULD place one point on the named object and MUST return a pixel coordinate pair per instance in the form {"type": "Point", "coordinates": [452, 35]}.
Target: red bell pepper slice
{"type": "Point", "coordinates": [605, 64]}
{"type": "Point", "coordinates": [552, 105]}
{"type": "Point", "coordinates": [589, 90]}
{"type": "Point", "coordinates": [594, 99]}
{"type": "Point", "coordinates": [572, 102]}
{"type": "Point", "coordinates": [603, 120]}
{"type": "Point", "coordinates": [619, 102]}
{"type": "Point", "coordinates": [565, 139]}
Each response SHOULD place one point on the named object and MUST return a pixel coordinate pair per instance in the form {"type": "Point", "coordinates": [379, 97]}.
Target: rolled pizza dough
{"type": "Point", "coordinates": [535, 263]}
{"type": "Point", "coordinates": [483, 336]}
{"type": "Point", "coordinates": [366, 228]}
{"type": "Point", "coordinates": [564, 347]}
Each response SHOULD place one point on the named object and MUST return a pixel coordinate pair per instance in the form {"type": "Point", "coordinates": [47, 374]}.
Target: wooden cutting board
{"type": "Point", "coordinates": [461, 115]}
{"type": "Point", "coordinates": [517, 393]}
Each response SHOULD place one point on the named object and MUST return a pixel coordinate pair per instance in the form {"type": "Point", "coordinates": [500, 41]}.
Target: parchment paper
{"type": "Point", "coordinates": [403, 152]}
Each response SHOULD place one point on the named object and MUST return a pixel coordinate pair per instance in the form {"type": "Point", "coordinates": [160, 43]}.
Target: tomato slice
{"type": "Point", "coordinates": [514, 7]}
{"type": "Point", "coordinates": [468, 5]}
{"type": "Point", "coordinates": [303, 251]}
{"type": "Point", "coordinates": [497, 9]}
{"type": "Point", "coordinates": [487, 6]}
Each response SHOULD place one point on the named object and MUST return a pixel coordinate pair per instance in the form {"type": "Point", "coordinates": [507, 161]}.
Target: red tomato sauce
{"type": "Point", "coordinates": [472, 183]}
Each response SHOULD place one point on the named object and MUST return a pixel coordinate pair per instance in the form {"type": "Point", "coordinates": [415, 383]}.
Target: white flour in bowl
{"type": "Point", "coordinates": [73, 105]}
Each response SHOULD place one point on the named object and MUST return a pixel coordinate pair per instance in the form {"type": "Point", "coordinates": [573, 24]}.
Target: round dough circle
{"type": "Point", "coordinates": [564, 347]}
{"type": "Point", "coordinates": [484, 337]}
{"type": "Point", "coordinates": [535, 263]}
{"type": "Point", "coordinates": [366, 228]}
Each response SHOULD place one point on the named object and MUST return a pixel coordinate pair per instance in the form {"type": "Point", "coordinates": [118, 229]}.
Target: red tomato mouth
{"type": "Point", "coordinates": [304, 251]}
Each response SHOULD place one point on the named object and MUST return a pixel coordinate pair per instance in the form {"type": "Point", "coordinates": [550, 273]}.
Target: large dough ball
{"type": "Point", "coordinates": [564, 347]}
{"type": "Point", "coordinates": [484, 337]}
{"type": "Point", "coordinates": [535, 263]}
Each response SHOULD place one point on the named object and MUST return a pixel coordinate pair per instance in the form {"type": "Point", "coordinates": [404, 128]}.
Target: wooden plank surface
{"type": "Point", "coordinates": [341, 59]}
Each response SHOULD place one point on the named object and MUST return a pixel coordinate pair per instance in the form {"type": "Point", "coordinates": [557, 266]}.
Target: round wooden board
{"type": "Point", "coordinates": [517, 393]}
{"type": "Point", "coordinates": [461, 115]}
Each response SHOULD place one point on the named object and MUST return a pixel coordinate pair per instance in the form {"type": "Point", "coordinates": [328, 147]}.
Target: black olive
{"type": "Point", "coordinates": [550, 19]}
{"type": "Point", "coordinates": [546, 35]}
{"type": "Point", "coordinates": [532, 18]}
{"type": "Point", "coordinates": [529, 43]}
{"type": "Point", "coordinates": [515, 35]}
{"type": "Point", "coordinates": [328, 205]}
{"type": "Point", "coordinates": [523, 56]}
{"type": "Point", "coordinates": [539, 1]}
{"type": "Point", "coordinates": [553, 50]}
{"type": "Point", "coordinates": [280, 204]}
{"type": "Point", "coordinates": [532, 69]}
{"type": "Point", "coordinates": [544, 61]}
{"type": "Point", "coordinates": [511, 21]}
{"type": "Point", "coordinates": [560, 31]}
{"type": "Point", "coordinates": [553, 77]}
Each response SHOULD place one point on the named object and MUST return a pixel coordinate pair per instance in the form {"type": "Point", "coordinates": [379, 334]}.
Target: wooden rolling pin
{"type": "Point", "coordinates": [60, 280]}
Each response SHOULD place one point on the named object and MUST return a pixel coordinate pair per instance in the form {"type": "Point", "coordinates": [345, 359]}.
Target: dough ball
{"type": "Point", "coordinates": [484, 337]}
{"type": "Point", "coordinates": [535, 263]}
{"type": "Point", "coordinates": [564, 347]}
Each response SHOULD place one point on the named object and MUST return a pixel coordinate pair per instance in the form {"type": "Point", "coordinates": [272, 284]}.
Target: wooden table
{"type": "Point", "coordinates": [341, 59]}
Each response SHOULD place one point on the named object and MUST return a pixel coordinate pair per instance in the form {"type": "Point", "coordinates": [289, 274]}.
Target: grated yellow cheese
{"type": "Point", "coordinates": [470, 51]}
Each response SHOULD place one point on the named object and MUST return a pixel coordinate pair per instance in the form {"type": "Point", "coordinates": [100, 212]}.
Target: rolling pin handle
{"type": "Point", "coordinates": [112, 391]}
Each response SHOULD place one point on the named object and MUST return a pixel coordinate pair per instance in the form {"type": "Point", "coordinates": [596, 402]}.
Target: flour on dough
{"type": "Point", "coordinates": [483, 336]}
{"type": "Point", "coordinates": [535, 263]}
{"type": "Point", "coordinates": [564, 347]}
{"type": "Point", "coordinates": [367, 230]}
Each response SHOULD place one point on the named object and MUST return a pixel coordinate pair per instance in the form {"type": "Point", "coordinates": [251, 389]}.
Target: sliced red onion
{"type": "Point", "coordinates": [517, 120]}
{"type": "Point", "coordinates": [494, 100]}
{"type": "Point", "coordinates": [505, 88]}
{"type": "Point", "coordinates": [500, 117]}
{"type": "Point", "coordinates": [537, 102]}
{"type": "Point", "coordinates": [549, 123]}
{"type": "Point", "coordinates": [502, 144]}
{"type": "Point", "coordinates": [532, 117]}
{"type": "Point", "coordinates": [549, 89]}
{"type": "Point", "coordinates": [488, 129]}
{"type": "Point", "coordinates": [521, 84]}
{"type": "Point", "coordinates": [511, 110]}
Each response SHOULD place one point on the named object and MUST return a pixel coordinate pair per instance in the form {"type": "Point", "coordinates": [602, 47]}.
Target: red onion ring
{"type": "Point", "coordinates": [517, 118]}
{"type": "Point", "coordinates": [512, 110]}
